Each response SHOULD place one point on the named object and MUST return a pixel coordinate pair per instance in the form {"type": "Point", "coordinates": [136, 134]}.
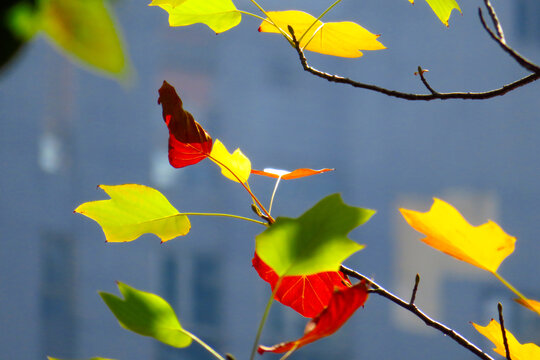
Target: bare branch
{"type": "Point", "coordinates": [505, 339]}
{"type": "Point", "coordinates": [415, 289]}
{"type": "Point", "coordinates": [379, 290]}
{"type": "Point", "coordinates": [434, 95]}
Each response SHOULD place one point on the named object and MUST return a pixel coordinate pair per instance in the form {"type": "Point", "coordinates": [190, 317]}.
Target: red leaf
{"type": "Point", "coordinates": [307, 294]}
{"type": "Point", "coordinates": [289, 175]}
{"type": "Point", "coordinates": [342, 305]}
{"type": "Point", "coordinates": [189, 143]}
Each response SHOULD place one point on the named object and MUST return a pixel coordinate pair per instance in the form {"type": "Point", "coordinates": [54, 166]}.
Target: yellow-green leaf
{"type": "Point", "coordinates": [442, 8]}
{"type": "Point", "coordinates": [484, 246]}
{"type": "Point", "coordinates": [134, 210]}
{"type": "Point", "coordinates": [235, 166]}
{"type": "Point", "coordinates": [219, 15]}
{"type": "Point", "coordinates": [518, 351]}
{"type": "Point", "coordinates": [344, 39]}
{"type": "Point", "coordinates": [86, 31]}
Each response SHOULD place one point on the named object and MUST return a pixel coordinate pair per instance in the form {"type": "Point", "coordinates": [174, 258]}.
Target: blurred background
{"type": "Point", "coordinates": [64, 129]}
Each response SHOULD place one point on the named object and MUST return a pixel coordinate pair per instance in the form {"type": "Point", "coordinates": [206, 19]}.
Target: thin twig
{"type": "Point", "coordinates": [424, 81]}
{"type": "Point", "coordinates": [379, 290]}
{"type": "Point", "coordinates": [415, 289]}
{"type": "Point", "coordinates": [499, 38]}
{"type": "Point", "coordinates": [505, 339]}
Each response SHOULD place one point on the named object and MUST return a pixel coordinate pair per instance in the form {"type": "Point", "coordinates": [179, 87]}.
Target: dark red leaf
{"type": "Point", "coordinates": [189, 143]}
{"type": "Point", "coordinates": [307, 294]}
{"type": "Point", "coordinates": [341, 307]}
{"type": "Point", "coordinates": [298, 173]}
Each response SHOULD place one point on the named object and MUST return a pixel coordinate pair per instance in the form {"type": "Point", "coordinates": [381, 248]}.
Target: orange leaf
{"type": "Point", "coordinates": [484, 246]}
{"type": "Point", "coordinates": [289, 175]}
{"type": "Point", "coordinates": [307, 294]}
{"type": "Point", "coordinates": [340, 308]}
{"type": "Point", "coordinates": [189, 143]}
{"type": "Point", "coordinates": [518, 351]}
{"type": "Point", "coordinates": [532, 305]}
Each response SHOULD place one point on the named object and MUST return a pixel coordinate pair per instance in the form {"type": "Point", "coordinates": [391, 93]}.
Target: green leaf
{"type": "Point", "coordinates": [134, 210]}
{"type": "Point", "coordinates": [219, 15]}
{"type": "Point", "coordinates": [442, 8]}
{"type": "Point", "coordinates": [86, 31]}
{"type": "Point", "coordinates": [147, 314]}
{"type": "Point", "coordinates": [315, 242]}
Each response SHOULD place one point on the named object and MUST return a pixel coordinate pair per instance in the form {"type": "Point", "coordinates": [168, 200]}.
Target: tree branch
{"type": "Point", "coordinates": [505, 339]}
{"type": "Point", "coordinates": [379, 290]}
{"type": "Point", "coordinates": [498, 36]}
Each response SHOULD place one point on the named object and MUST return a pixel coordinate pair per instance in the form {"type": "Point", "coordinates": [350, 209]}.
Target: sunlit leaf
{"type": "Point", "coordinates": [344, 39]}
{"type": "Point", "coordinates": [340, 308]}
{"type": "Point", "coordinates": [442, 8]}
{"type": "Point", "coordinates": [134, 210]}
{"type": "Point", "coordinates": [313, 243]}
{"type": "Point", "coordinates": [219, 15]}
{"type": "Point", "coordinates": [532, 305]}
{"type": "Point", "coordinates": [289, 175]}
{"type": "Point", "coordinates": [307, 294]}
{"type": "Point", "coordinates": [518, 351]}
{"type": "Point", "coordinates": [484, 246]}
{"type": "Point", "coordinates": [235, 166]}
{"type": "Point", "coordinates": [189, 143]}
{"type": "Point", "coordinates": [147, 314]}
{"type": "Point", "coordinates": [85, 30]}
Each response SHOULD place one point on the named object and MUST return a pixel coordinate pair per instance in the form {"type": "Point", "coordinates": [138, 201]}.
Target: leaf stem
{"type": "Point", "coordinates": [287, 36]}
{"type": "Point", "coordinates": [254, 15]}
{"type": "Point", "coordinates": [319, 18]}
{"type": "Point", "coordinates": [203, 344]}
{"type": "Point", "coordinates": [273, 194]}
{"type": "Point", "coordinates": [224, 215]}
{"type": "Point", "coordinates": [263, 320]}
{"type": "Point", "coordinates": [513, 289]}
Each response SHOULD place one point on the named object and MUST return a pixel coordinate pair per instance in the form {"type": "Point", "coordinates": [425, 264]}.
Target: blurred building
{"type": "Point", "coordinates": [64, 130]}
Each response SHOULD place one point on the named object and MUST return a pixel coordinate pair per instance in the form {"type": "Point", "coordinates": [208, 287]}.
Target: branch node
{"type": "Point", "coordinates": [424, 81]}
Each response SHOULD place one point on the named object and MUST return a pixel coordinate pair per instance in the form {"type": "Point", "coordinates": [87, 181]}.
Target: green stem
{"type": "Point", "coordinates": [273, 194]}
{"type": "Point", "coordinates": [203, 344]}
{"type": "Point", "coordinates": [254, 15]}
{"type": "Point", "coordinates": [263, 320]}
{"type": "Point", "coordinates": [514, 290]}
{"type": "Point", "coordinates": [224, 215]}
{"type": "Point", "coordinates": [319, 18]}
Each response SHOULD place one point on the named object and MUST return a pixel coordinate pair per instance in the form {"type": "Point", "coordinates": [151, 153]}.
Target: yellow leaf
{"type": "Point", "coordinates": [343, 39]}
{"type": "Point", "coordinates": [442, 8]}
{"type": "Point", "coordinates": [235, 166]}
{"type": "Point", "coordinates": [532, 305]}
{"type": "Point", "coordinates": [134, 210]}
{"type": "Point", "coordinates": [518, 351]}
{"type": "Point", "coordinates": [484, 246]}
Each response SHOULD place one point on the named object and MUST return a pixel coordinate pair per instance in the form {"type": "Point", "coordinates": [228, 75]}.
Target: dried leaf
{"type": "Point", "coordinates": [484, 246]}
{"type": "Point", "coordinates": [340, 308]}
{"type": "Point", "coordinates": [306, 294]}
{"type": "Point", "coordinates": [189, 143]}
{"type": "Point", "coordinates": [344, 39]}
{"type": "Point", "coordinates": [289, 175]}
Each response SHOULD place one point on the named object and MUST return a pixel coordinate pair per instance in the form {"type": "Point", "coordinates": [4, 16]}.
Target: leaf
{"type": "Point", "coordinates": [306, 294]}
{"type": "Point", "coordinates": [289, 175]}
{"type": "Point", "coordinates": [518, 351]}
{"type": "Point", "coordinates": [134, 210]}
{"type": "Point", "coordinates": [189, 143]}
{"type": "Point", "coordinates": [219, 15]}
{"type": "Point", "coordinates": [442, 8]}
{"type": "Point", "coordinates": [313, 243]}
{"type": "Point", "coordinates": [530, 304]}
{"type": "Point", "coordinates": [235, 166]}
{"type": "Point", "coordinates": [341, 307]}
{"type": "Point", "coordinates": [343, 39]}
{"type": "Point", "coordinates": [94, 358]}
{"type": "Point", "coordinates": [147, 314]}
{"type": "Point", "coordinates": [87, 31]}
{"type": "Point", "coordinates": [484, 246]}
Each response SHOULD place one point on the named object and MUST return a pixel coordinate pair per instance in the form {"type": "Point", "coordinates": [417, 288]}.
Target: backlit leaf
{"type": "Point", "coordinates": [484, 246]}
{"type": "Point", "coordinates": [189, 143]}
{"type": "Point", "coordinates": [235, 166]}
{"type": "Point", "coordinates": [85, 30]}
{"type": "Point", "coordinates": [147, 314]}
{"type": "Point", "coordinates": [532, 305]}
{"type": "Point", "coordinates": [344, 39]}
{"type": "Point", "coordinates": [307, 294]}
{"type": "Point", "coordinates": [219, 15]}
{"type": "Point", "coordinates": [442, 8]}
{"type": "Point", "coordinates": [134, 210]}
{"type": "Point", "coordinates": [313, 243]}
{"type": "Point", "coordinates": [340, 308]}
{"type": "Point", "coordinates": [289, 175]}
{"type": "Point", "coordinates": [518, 351]}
